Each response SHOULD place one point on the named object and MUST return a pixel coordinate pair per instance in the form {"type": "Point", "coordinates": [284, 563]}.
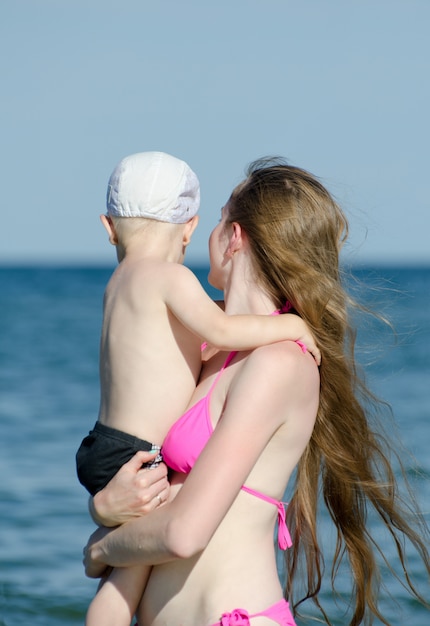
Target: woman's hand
{"type": "Point", "coordinates": [133, 491]}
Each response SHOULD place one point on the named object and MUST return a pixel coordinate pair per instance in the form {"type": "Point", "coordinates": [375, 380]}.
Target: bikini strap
{"type": "Point", "coordinates": [284, 537]}
{"type": "Point", "coordinates": [218, 376]}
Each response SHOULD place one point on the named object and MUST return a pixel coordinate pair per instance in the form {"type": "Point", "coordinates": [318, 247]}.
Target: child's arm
{"type": "Point", "coordinates": [188, 301]}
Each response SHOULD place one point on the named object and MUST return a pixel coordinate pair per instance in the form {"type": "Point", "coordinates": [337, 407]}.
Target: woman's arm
{"type": "Point", "coordinates": [188, 301]}
{"type": "Point", "coordinates": [257, 405]}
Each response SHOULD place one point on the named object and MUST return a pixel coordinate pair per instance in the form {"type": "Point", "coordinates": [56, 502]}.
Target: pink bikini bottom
{"type": "Point", "coordinates": [280, 613]}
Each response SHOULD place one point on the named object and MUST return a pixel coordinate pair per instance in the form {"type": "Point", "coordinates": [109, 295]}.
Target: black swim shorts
{"type": "Point", "coordinates": [103, 452]}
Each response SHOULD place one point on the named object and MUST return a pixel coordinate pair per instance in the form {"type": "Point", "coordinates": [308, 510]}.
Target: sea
{"type": "Point", "coordinates": [50, 320]}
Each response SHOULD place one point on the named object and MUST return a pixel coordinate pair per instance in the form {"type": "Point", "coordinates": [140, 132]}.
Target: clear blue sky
{"type": "Point", "coordinates": [341, 88]}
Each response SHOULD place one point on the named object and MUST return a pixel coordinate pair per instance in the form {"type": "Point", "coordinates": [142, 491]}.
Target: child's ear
{"type": "Point", "coordinates": [190, 227]}
{"type": "Point", "coordinates": [110, 229]}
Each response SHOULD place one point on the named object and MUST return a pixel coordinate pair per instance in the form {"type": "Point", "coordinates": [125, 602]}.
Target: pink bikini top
{"type": "Point", "coordinates": [189, 435]}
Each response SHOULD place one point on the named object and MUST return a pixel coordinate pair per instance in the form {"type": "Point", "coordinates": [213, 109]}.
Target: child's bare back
{"type": "Point", "coordinates": [149, 362]}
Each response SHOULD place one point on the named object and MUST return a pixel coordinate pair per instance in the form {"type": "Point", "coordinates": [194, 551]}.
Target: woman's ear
{"type": "Point", "coordinates": [189, 228]}
{"type": "Point", "coordinates": [110, 229]}
{"type": "Point", "coordinates": [237, 239]}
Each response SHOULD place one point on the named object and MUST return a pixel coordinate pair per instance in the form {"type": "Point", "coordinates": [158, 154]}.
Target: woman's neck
{"type": "Point", "coordinates": [246, 297]}
{"type": "Point", "coordinates": [243, 294]}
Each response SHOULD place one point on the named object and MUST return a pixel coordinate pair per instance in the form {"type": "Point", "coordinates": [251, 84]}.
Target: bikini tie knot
{"type": "Point", "coordinates": [238, 617]}
{"type": "Point", "coordinates": [284, 537]}
{"type": "Point", "coordinates": [286, 308]}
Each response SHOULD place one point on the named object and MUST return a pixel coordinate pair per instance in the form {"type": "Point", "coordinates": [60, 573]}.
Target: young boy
{"type": "Point", "coordinates": [156, 315]}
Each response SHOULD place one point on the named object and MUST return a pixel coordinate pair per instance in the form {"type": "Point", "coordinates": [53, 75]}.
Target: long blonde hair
{"type": "Point", "coordinates": [296, 230]}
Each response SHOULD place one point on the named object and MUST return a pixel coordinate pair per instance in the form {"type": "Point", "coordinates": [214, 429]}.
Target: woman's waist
{"type": "Point", "coordinates": [215, 575]}
{"type": "Point", "coordinates": [202, 592]}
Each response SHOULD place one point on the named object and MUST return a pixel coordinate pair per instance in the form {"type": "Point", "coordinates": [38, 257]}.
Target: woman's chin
{"type": "Point", "coordinates": [213, 282]}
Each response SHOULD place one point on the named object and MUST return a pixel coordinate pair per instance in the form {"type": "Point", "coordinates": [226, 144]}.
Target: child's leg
{"type": "Point", "coordinates": [117, 599]}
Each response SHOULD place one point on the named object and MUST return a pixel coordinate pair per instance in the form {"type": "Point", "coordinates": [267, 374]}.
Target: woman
{"type": "Point", "coordinates": [263, 414]}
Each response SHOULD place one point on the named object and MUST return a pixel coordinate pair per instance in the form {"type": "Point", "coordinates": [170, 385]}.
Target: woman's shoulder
{"type": "Point", "coordinates": [284, 357]}
{"type": "Point", "coordinates": [285, 369]}
{"type": "Point", "coordinates": [280, 382]}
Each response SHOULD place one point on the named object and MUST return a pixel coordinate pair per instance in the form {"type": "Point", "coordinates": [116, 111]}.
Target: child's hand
{"type": "Point", "coordinates": [299, 331]}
